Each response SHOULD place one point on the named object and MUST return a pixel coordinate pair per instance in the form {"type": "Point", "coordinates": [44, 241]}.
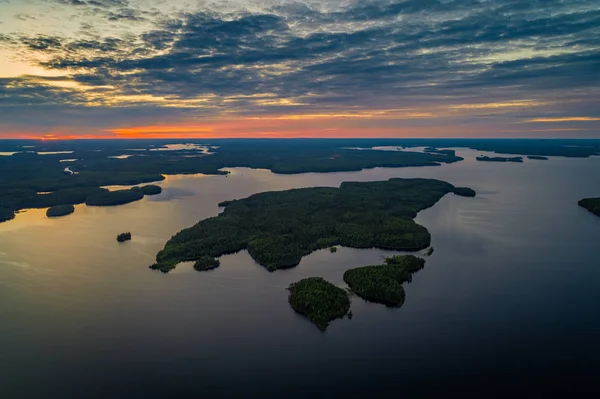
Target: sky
{"type": "Point", "coordinates": [283, 68]}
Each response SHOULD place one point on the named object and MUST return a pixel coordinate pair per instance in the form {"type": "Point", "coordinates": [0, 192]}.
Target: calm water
{"type": "Point", "coordinates": [508, 302]}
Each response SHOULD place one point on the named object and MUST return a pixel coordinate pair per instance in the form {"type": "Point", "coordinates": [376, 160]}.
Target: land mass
{"type": "Point", "coordinates": [97, 163]}
{"type": "Point", "coordinates": [383, 283]}
{"type": "Point", "coordinates": [322, 302]}
{"type": "Point", "coordinates": [319, 300]}
{"type": "Point", "coordinates": [60, 210]}
{"type": "Point", "coordinates": [591, 204]}
{"type": "Point", "coordinates": [484, 158]}
{"type": "Point", "coordinates": [279, 228]}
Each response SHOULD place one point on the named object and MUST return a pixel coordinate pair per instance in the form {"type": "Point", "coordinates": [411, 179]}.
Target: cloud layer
{"type": "Point", "coordinates": [402, 64]}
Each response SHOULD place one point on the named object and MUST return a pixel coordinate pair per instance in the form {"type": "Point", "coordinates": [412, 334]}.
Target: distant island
{"type": "Point", "coordinates": [279, 228]}
{"type": "Point", "coordinates": [319, 300]}
{"type": "Point", "coordinates": [537, 157]}
{"type": "Point", "coordinates": [124, 237]}
{"type": "Point", "coordinates": [60, 210]}
{"type": "Point", "coordinates": [484, 158]}
{"type": "Point", "coordinates": [591, 204]}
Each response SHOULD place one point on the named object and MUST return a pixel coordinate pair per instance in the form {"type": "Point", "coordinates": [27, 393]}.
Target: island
{"type": "Point", "coordinates": [279, 228]}
{"type": "Point", "coordinates": [124, 237]}
{"type": "Point", "coordinates": [151, 189]}
{"type": "Point", "coordinates": [333, 250]}
{"type": "Point", "coordinates": [322, 302]}
{"type": "Point", "coordinates": [537, 157]}
{"type": "Point", "coordinates": [319, 300]}
{"type": "Point", "coordinates": [591, 204]}
{"type": "Point", "coordinates": [383, 283]}
{"type": "Point", "coordinates": [60, 210]}
{"type": "Point", "coordinates": [484, 158]}
{"type": "Point", "coordinates": [206, 263]}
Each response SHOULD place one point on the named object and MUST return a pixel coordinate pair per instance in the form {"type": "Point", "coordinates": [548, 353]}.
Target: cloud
{"type": "Point", "coordinates": [490, 58]}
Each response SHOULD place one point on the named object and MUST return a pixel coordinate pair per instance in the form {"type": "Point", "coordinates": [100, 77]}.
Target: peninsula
{"type": "Point", "coordinates": [591, 204]}
{"type": "Point", "coordinates": [279, 228]}
{"type": "Point", "coordinates": [484, 158]}
{"type": "Point", "coordinates": [60, 210]}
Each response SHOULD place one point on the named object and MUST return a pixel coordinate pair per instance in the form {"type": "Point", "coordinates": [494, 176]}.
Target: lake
{"type": "Point", "coordinates": [507, 303]}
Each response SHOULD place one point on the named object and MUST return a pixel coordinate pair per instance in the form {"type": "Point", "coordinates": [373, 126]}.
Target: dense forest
{"type": "Point", "coordinates": [591, 204]}
{"type": "Point", "coordinates": [319, 300]}
{"type": "Point", "coordinates": [279, 228]}
{"type": "Point", "coordinates": [383, 283]}
{"type": "Point", "coordinates": [60, 210]}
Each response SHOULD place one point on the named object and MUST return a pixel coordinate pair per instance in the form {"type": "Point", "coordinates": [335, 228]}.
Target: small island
{"type": "Point", "coordinates": [333, 250]}
{"type": "Point", "coordinates": [383, 283]}
{"type": "Point", "coordinates": [60, 210]}
{"type": "Point", "coordinates": [279, 228]}
{"type": "Point", "coordinates": [591, 204]}
{"type": "Point", "coordinates": [206, 263]}
{"type": "Point", "coordinates": [484, 158]}
{"type": "Point", "coordinates": [537, 157]}
{"type": "Point", "coordinates": [124, 237]}
{"type": "Point", "coordinates": [319, 300]}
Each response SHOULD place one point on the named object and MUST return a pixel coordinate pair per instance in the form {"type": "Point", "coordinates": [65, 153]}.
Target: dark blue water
{"type": "Point", "coordinates": [507, 304]}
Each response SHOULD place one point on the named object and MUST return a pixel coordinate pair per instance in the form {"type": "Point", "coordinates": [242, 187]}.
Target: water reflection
{"type": "Point", "coordinates": [510, 290]}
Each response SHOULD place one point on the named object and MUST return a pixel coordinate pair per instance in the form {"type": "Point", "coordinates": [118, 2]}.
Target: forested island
{"type": "Point", "coordinates": [383, 283]}
{"type": "Point", "coordinates": [60, 210]}
{"type": "Point", "coordinates": [279, 228]}
{"type": "Point", "coordinates": [591, 204]}
{"type": "Point", "coordinates": [322, 302]}
{"type": "Point", "coordinates": [124, 237]}
{"type": "Point", "coordinates": [484, 158]}
{"type": "Point", "coordinates": [319, 300]}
